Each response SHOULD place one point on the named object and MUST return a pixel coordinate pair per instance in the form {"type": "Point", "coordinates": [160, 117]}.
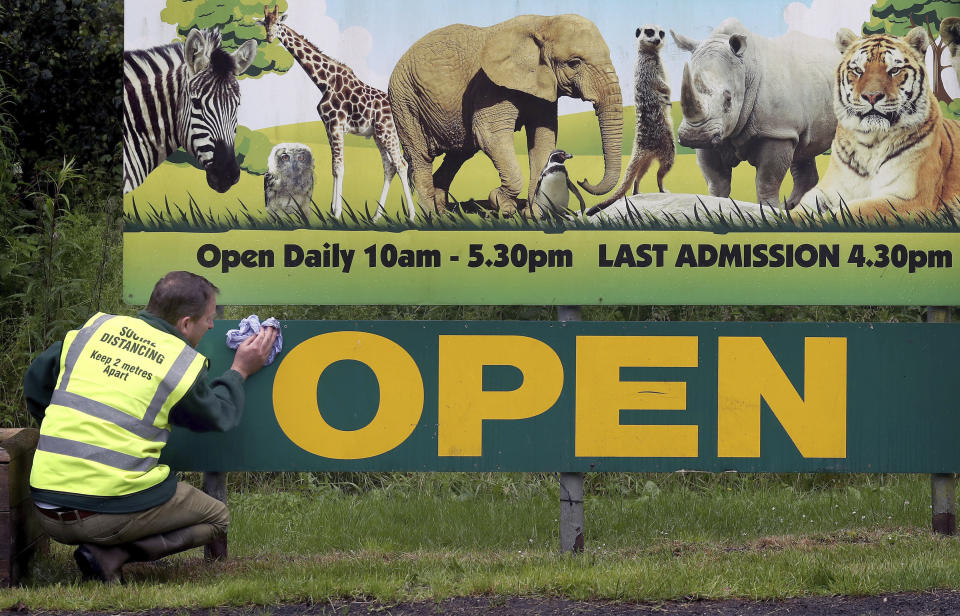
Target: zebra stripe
{"type": "Point", "coordinates": [170, 103]}
{"type": "Point", "coordinates": [152, 80]}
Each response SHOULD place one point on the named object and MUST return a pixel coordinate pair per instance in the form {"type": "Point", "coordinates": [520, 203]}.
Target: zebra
{"type": "Point", "coordinates": [183, 95]}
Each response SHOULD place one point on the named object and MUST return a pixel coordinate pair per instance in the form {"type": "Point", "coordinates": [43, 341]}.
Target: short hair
{"type": "Point", "coordinates": [181, 294]}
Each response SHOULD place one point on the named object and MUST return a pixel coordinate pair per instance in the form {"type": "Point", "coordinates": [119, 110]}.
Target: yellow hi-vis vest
{"type": "Point", "coordinates": [107, 421]}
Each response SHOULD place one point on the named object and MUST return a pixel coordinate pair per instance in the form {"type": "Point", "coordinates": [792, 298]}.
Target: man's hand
{"type": "Point", "coordinates": [254, 351]}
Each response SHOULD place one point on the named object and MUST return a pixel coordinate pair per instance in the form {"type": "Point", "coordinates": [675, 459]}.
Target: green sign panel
{"type": "Point", "coordinates": [535, 267]}
{"type": "Point", "coordinates": [592, 396]}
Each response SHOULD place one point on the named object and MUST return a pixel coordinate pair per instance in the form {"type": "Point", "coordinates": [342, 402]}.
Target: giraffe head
{"type": "Point", "coordinates": [271, 20]}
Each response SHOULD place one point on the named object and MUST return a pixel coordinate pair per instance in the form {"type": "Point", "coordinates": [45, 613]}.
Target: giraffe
{"type": "Point", "coordinates": [347, 105]}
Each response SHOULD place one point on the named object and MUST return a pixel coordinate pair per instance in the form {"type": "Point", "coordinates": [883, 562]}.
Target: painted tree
{"type": "Point", "coordinates": [899, 16]}
{"type": "Point", "coordinates": [237, 23]}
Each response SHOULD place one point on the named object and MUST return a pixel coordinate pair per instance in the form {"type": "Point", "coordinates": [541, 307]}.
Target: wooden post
{"type": "Point", "coordinates": [20, 533]}
{"type": "Point", "coordinates": [571, 484]}
{"type": "Point", "coordinates": [215, 484]}
{"type": "Point", "coordinates": [942, 485]}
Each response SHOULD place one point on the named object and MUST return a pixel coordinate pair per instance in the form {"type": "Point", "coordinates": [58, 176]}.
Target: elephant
{"type": "Point", "coordinates": [461, 89]}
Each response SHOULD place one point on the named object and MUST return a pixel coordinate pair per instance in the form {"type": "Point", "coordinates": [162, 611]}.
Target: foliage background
{"type": "Point", "coordinates": [898, 17]}
{"type": "Point", "coordinates": [237, 23]}
{"type": "Point", "coordinates": [60, 169]}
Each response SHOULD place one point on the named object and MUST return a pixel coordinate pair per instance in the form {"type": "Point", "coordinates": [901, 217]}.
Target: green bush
{"type": "Point", "coordinates": [61, 263]}
{"type": "Point", "coordinates": [63, 64]}
{"type": "Point", "coordinates": [252, 149]}
{"type": "Point", "coordinates": [952, 110]}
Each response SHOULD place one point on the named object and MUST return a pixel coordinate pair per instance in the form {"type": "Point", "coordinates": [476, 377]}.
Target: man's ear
{"type": "Point", "coordinates": [182, 324]}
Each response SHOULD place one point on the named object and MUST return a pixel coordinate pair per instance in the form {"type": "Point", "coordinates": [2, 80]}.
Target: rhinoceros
{"type": "Point", "coordinates": [767, 101]}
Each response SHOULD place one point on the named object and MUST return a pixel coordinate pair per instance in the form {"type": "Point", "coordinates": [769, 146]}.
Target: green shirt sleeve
{"type": "Point", "coordinates": [213, 406]}
{"type": "Point", "coordinates": [41, 379]}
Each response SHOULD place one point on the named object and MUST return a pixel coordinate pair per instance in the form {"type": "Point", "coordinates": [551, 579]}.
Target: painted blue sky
{"type": "Point", "coordinates": [395, 25]}
{"type": "Point", "coordinates": [370, 35]}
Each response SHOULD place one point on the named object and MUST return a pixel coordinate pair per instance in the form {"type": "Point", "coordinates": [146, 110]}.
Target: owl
{"type": "Point", "coordinates": [288, 184]}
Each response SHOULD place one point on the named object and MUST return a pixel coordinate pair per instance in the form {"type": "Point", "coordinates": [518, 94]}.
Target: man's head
{"type": "Point", "coordinates": [186, 301]}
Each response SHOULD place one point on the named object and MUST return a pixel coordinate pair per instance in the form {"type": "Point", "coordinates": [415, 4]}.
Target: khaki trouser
{"type": "Point", "coordinates": [189, 507]}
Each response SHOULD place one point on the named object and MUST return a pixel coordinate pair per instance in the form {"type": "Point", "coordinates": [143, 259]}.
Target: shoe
{"type": "Point", "coordinates": [100, 563]}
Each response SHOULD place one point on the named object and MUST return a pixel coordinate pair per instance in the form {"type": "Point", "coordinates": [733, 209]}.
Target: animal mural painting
{"type": "Point", "coordinates": [347, 105]}
{"type": "Point", "coordinates": [766, 101]}
{"type": "Point", "coordinates": [463, 89]}
{"type": "Point", "coordinates": [288, 182]}
{"type": "Point", "coordinates": [431, 89]}
{"type": "Point", "coordinates": [183, 95]}
{"type": "Point", "coordinates": [653, 139]}
{"type": "Point", "coordinates": [494, 113]}
{"type": "Point", "coordinates": [894, 154]}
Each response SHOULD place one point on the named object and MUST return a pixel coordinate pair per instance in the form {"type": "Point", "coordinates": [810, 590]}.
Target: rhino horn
{"type": "Point", "coordinates": [692, 111]}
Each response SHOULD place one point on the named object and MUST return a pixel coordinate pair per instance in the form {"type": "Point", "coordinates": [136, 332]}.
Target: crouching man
{"type": "Point", "coordinates": [106, 398]}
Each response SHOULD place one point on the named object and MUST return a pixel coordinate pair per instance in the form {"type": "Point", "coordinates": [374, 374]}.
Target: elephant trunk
{"type": "Point", "coordinates": [609, 108]}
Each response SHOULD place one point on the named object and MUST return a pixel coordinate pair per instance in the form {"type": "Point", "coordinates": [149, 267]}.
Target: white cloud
{"type": "Point", "coordinates": [292, 97]}
{"type": "Point", "coordinates": [824, 17]}
{"type": "Point", "coordinates": [352, 46]}
{"type": "Point", "coordinates": [142, 27]}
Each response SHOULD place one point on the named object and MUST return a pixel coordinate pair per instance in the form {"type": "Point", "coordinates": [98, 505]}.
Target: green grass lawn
{"type": "Point", "coordinates": [648, 537]}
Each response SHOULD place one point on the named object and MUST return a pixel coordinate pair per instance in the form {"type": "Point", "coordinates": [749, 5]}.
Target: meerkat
{"type": "Point", "coordinates": [654, 135]}
{"type": "Point", "coordinates": [552, 194]}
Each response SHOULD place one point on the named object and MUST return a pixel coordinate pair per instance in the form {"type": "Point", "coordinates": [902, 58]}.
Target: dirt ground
{"type": "Point", "coordinates": [913, 604]}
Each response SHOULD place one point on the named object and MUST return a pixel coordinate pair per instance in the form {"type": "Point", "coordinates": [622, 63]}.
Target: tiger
{"type": "Point", "coordinates": [894, 154]}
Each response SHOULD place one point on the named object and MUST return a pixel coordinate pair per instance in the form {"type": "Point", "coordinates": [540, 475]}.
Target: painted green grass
{"type": "Point", "coordinates": [176, 196]}
{"type": "Point", "coordinates": [648, 538]}
{"type": "Point", "coordinates": [182, 189]}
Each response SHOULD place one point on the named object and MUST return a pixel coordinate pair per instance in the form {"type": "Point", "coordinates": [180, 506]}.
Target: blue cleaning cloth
{"type": "Point", "coordinates": [250, 326]}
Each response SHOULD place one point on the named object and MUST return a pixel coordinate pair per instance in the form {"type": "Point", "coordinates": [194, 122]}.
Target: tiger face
{"type": "Point", "coordinates": [881, 81]}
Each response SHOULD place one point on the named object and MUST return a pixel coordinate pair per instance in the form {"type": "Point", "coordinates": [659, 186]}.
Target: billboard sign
{"type": "Point", "coordinates": [503, 153]}
{"type": "Point", "coordinates": [592, 396]}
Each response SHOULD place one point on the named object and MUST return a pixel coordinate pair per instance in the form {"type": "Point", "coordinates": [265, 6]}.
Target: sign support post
{"type": "Point", "coordinates": [942, 485]}
{"type": "Point", "coordinates": [215, 485]}
{"type": "Point", "coordinates": [571, 484]}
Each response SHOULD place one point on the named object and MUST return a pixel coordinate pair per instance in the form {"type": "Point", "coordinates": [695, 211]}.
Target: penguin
{"type": "Point", "coordinates": [551, 196]}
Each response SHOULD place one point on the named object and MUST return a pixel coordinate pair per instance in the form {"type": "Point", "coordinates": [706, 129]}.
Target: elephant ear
{"type": "Point", "coordinates": [513, 57]}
